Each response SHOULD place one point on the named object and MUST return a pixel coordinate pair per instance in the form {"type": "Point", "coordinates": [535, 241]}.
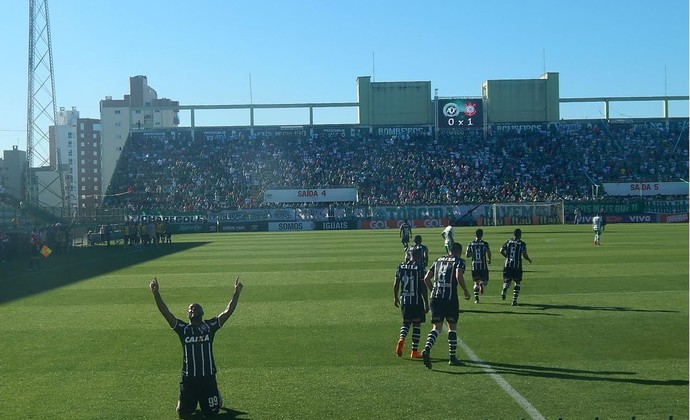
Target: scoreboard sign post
{"type": "Point", "coordinates": [460, 113]}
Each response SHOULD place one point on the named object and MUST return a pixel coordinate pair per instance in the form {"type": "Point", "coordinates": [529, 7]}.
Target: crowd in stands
{"type": "Point", "coordinates": [178, 172]}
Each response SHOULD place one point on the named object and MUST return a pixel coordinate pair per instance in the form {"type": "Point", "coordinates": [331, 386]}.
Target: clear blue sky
{"type": "Point", "coordinates": [203, 52]}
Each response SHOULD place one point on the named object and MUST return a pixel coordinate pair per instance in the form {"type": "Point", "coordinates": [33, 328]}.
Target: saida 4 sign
{"type": "Point", "coordinates": [460, 113]}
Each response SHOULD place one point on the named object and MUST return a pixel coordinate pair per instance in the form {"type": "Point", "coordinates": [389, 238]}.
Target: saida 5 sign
{"type": "Point", "coordinates": [460, 113]}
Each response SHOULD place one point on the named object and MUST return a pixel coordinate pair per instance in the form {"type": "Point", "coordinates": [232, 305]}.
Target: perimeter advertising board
{"type": "Point", "coordinates": [290, 226]}
{"type": "Point", "coordinates": [337, 225]}
{"type": "Point", "coordinates": [395, 223]}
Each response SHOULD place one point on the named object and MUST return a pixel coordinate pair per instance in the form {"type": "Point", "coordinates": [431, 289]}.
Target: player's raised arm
{"type": "Point", "coordinates": [162, 307]}
{"type": "Point", "coordinates": [223, 316]}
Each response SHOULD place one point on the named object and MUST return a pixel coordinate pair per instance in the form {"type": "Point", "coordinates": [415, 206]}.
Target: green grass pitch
{"type": "Point", "coordinates": [600, 331]}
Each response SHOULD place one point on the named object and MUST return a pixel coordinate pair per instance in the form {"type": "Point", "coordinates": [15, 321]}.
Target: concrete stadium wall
{"type": "Point", "coordinates": [396, 103]}
{"type": "Point", "coordinates": [522, 100]}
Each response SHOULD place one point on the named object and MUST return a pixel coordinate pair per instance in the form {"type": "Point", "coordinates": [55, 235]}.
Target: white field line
{"type": "Point", "coordinates": [502, 383]}
{"type": "Point", "coordinates": [646, 292]}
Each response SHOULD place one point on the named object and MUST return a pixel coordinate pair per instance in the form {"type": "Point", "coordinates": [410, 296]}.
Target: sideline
{"type": "Point", "coordinates": [502, 382]}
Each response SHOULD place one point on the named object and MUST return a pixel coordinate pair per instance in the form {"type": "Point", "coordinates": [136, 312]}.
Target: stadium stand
{"type": "Point", "coordinates": [174, 170]}
{"type": "Point", "coordinates": [210, 170]}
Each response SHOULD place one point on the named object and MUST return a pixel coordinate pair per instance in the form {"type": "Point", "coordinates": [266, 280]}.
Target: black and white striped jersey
{"type": "Point", "coordinates": [197, 347]}
{"type": "Point", "coordinates": [445, 279]}
{"type": "Point", "coordinates": [477, 250]}
{"type": "Point", "coordinates": [513, 250]}
{"type": "Point", "coordinates": [425, 254]}
{"type": "Point", "coordinates": [411, 277]}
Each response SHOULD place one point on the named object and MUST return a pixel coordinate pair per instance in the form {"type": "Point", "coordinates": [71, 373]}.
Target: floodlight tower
{"type": "Point", "coordinates": [41, 106]}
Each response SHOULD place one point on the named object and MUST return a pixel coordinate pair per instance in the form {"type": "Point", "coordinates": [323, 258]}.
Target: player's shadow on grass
{"type": "Point", "coordinates": [224, 413]}
{"type": "Point", "coordinates": [570, 374]}
{"type": "Point", "coordinates": [80, 264]}
{"type": "Point", "coordinates": [546, 307]}
{"type": "Point", "coordinates": [507, 311]}
{"type": "Point", "coordinates": [568, 232]}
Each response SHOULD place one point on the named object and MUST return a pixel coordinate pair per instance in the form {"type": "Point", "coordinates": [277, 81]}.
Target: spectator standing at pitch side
{"type": "Point", "coordinates": [447, 272]}
{"type": "Point", "coordinates": [4, 246]}
{"type": "Point", "coordinates": [198, 383]}
{"type": "Point", "coordinates": [514, 250]}
{"type": "Point", "coordinates": [447, 236]}
{"type": "Point", "coordinates": [412, 300]}
{"type": "Point", "coordinates": [102, 232]}
{"type": "Point", "coordinates": [167, 232]}
{"type": "Point", "coordinates": [480, 253]}
{"type": "Point", "coordinates": [35, 249]}
{"type": "Point", "coordinates": [405, 233]}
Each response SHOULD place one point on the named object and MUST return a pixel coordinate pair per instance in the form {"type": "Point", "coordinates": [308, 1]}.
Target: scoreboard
{"type": "Point", "coordinates": [460, 113]}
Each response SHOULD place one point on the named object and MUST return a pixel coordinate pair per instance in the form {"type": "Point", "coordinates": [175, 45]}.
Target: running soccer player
{"type": "Point", "coordinates": [447, 272]}
{"type": "Point", "coordinates": [409, 294]}
{"type": "Point", "coordinates": [514, 250]}
{"type": "Point", "coordinates": [448, 238]}
{"type": "Point", "coordinates": [405, 233]}
{"type": "Point", "coordinates": [597, 227]}
{"type": "Point", "coordinates": [425, 251]}
{"type": "Point", "coordinates": [198, 383]}
{"type": "Point", "coordinates": [480, 253]}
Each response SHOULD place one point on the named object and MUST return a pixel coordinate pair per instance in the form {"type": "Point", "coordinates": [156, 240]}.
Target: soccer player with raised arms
{"type": "Point", "coordinates": [198, 380]}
